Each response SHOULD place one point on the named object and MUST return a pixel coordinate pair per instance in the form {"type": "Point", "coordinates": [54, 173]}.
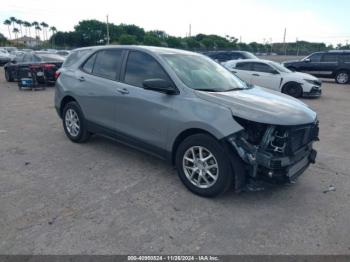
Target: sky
{"type": "Point", "coordinates": [249, 20]}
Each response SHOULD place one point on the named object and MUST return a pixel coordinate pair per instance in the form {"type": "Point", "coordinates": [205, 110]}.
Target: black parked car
{"type": "Point", "coordinates": [329, 64]}
{"type": "Point", "coordinates": [39, 67]}
{"type": "Point", "coordinates": [223, 56]}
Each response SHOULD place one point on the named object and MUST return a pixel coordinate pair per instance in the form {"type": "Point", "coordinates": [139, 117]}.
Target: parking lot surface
{"type": "Point", "coordinates": [57, 197]}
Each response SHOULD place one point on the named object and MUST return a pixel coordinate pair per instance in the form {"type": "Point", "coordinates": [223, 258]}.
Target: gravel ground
{"type": "Point", "coordinates": [57, 197]}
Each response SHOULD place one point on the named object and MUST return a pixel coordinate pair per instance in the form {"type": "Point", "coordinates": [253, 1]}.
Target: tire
{"type": "Point", "coordinates": [73, 114]}
{"type": "Point", "coordinates": [8, 76]}
{"type": "Point", "coordinates": [293, 89]}
{"type": "Point", "coordinates": [208, 186]}
{"type": "Point", "coordinates": [342, 77]}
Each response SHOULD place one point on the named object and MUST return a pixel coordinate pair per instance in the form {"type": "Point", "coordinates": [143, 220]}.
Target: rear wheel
{"type": "Point", "coordinates": [203, 166]}
{"type": "Point", "coordinates": [74, 123]}
{"type": "Point", "coordinates": [8, 76]}
{"type": "Point", "coordinates": [342, 77]}
{"type": "Point", "coordinates": [293, 89]}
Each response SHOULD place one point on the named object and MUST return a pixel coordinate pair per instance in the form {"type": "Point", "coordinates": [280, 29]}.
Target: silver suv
{"type": "Point", "coordinates": [187, 109]}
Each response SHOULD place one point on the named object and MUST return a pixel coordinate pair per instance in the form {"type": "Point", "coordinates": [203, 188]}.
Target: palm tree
{"type": "Point", "coordinates": [16, 31]}
{"type": "Point", "coordinates": [53, 31]}
{"type": "Point", "coordinates": [38, 29]}
{"type": "Point", "coordinates": [20, 23]}
{"type": "Point", "coordinates": [13, 21]}
{"type": "Point", "coordinates": [45, 26]}
{"type": "Point", "coordinates": [35, 24]}
{"type": "Point", "coordinates": [8, 23]}
{"type": "Point", "coordinates": [27, 26]}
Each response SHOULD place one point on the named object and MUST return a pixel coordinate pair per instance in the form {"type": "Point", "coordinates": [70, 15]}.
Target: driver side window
{"type": "Point", "coordinates": [264, 68]}
{"type": "Point", "coordinates": [141, 66]}
{"type": "Point", "coordinates": [315, 57]}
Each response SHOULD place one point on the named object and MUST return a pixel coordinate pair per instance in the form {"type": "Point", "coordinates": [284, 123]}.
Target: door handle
{"type": "Point", "coordinates": [123, 91]}
{"type": "Point", "coordinates": [255, 75]}
{"type": "Point", "coordinates": [81, 79]}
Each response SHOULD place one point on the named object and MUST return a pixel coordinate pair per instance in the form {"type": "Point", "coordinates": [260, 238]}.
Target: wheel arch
{"type": "Point", "coordinates": [182, 136]}
{"type": "Point", "coordinates": [288, 82]}
{"type": "Point", "coordinates": [65, 101]}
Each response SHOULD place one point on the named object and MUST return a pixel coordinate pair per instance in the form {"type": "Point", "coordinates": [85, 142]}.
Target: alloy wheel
{"type": "Point", "coordinates": [200, 167]}
{"type": "Point", "coordinates": [72, 122]}
{"type": "Point", "coordinates": [342, 78]}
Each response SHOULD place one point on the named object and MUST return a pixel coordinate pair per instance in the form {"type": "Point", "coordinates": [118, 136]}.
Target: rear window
{"type": "Point", "coordinates": [51, 58]}
{"type": "Point", "coordinates": [75, 56]}
{"type": "Point", "coordinates": [346, 57]}
{"type": "Point", "coordinates": [330, 58]}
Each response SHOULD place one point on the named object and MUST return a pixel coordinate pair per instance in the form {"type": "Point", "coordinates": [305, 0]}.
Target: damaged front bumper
{"type": "Point", "coordinates": [276, 163]}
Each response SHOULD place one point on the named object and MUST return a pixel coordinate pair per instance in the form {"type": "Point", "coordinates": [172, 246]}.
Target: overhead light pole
{"type": "Point", "coordinates": [107, 31]}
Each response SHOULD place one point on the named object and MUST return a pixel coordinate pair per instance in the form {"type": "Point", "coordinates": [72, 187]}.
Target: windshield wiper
{"type": "Point", "coordinates": [234, 89]}
{"type": "Point", "coordinates": [207, 90]}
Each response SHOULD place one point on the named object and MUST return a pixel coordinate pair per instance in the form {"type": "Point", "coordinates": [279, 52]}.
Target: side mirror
{"type": "Point", "coordinates": [307, 60]}
{"type": "Point", "coordinates": [274, 72]}
{"type": "Point", "coordinates": [160, 85]}
{"type": "Point", "coordinates": [13, 61]}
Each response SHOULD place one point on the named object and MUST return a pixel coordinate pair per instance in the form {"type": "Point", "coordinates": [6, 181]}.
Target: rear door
{"type": "Point", "coordinates": [264, 75]}
{"type": "Point", "coordinates": [96, 86]}
{"type": "Point", "coordinates": [329, 64]}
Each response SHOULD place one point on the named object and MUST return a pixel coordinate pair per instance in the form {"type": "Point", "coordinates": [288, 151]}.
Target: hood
{"type": "Point", "coordinates": [304, 76]}
{"type": "Point", "coordinates": [262, 105]}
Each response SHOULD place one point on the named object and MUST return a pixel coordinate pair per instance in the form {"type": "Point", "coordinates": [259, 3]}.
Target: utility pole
{"type": "Point", "coordinates": [284, 41]}
{"type": "Point", "coordinates": [189, 32]}
{"type": "Point", "coordinates": [107, 31]}
{"type": "Point", "coordinates": [296, 41]}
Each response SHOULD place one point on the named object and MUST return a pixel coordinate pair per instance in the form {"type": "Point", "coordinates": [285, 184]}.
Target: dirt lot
{"type": "Point", "coordinates": [101, 197]}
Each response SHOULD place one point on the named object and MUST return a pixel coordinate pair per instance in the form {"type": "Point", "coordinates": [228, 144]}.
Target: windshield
{"type": "Point", "coordinates": [250, 56]}
{"type": "Point", "coordinates": [280, 67]}
{"type": "Point", "coordinates": [201, 73]}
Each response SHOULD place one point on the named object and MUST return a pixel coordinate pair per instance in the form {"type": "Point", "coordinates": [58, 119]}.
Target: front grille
{"type": "Point", "coordinates": [302, 135]}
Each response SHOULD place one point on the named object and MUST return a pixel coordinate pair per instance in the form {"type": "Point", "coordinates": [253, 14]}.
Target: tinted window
{"type": "Point", "coordinates": [49, 58]}
{"type": "Point", "coordinates": [141, 66]}
{"type": "Point", "coordinates": [19, 58]}
{"type": "Point", "coordinates": [89, 64]}
{"type": "Point", "coordinates": [243, 66]}
{"type": "Point", "coordinates": [315, 57]}
{"type": "Point", "coordinates": [27, 58]}
{"type": "Point", "coordinates": [108, 63]}
{"type": "Point", "coordinates": [260, 67]}
{"type": "Point", "coordinates": [74, 56]}
{"type": "Point", "coordinates": [330, 58]}
{"type": "Point", "coordinates": [346, 57]}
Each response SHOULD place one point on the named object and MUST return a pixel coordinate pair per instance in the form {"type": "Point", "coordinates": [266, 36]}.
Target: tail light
{"type": "Point", "coordinates": [57, 74]}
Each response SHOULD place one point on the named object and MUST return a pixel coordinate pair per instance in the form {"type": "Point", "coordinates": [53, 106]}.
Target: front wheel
{"type": "Point", "coordinates": [342, 77]}
{"type": "Point", "coordinates": [293, 89]}
{"type": "Point", "coordinates": [74, 123]}
{"type": "Point", "coordinates": [203, 166]}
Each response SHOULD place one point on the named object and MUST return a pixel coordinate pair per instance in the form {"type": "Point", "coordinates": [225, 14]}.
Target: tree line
{"type": "Point", "coordinates": [94, 32]}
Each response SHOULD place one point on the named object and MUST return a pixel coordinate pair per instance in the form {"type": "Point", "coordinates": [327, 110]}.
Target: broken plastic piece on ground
{"type": "Point", "coordinates": [254, 186]}
{"type": "Point", "coordinates": [329, 189]}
